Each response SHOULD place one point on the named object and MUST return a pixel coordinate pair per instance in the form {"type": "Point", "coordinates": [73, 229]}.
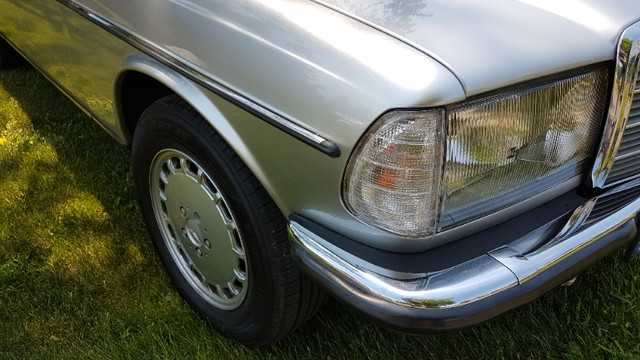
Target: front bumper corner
{"type": "Point", "coordinates": [482, 287]}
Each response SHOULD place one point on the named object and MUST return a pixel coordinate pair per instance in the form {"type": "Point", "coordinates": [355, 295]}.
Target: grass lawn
{"type": "Point", "coordinates": [79, 278]}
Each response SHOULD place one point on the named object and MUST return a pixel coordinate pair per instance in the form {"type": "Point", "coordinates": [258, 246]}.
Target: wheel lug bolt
{"type": "Point", "coordinates": [198, 251]}
{"type": "Point", "coordinates": [183, 212]}
{"type": "Point", "coordinates": [207, 243]}
{"type": "Point", "coordinates": [184, 232]}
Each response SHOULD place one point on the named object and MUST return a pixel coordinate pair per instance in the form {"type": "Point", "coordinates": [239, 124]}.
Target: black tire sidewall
{"type": "Point", "coordinates": [164, 128]}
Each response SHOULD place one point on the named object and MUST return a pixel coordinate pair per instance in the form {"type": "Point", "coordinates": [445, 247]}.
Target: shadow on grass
{"type": "Point", "coordinates": [76, 268]}
{"type": "Point", "coordinates": [79, 278]}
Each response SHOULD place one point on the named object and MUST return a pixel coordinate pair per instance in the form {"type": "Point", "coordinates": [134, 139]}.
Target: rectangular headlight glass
{"type": "Point", "coordinates": [506, 148]}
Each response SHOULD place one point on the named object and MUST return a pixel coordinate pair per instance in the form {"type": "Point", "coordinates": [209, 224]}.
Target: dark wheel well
{"type": "Point", "coordinates": [137, 92]}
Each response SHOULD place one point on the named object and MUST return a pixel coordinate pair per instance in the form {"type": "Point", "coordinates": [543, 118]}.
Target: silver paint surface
{"type": "Point", "coordinates": [308, 62]}
{"type": "Point", "coordinates": [493, 43]}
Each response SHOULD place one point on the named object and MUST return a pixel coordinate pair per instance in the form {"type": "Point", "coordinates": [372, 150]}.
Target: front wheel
{"type": "Point", "coordinates": [221, 238]}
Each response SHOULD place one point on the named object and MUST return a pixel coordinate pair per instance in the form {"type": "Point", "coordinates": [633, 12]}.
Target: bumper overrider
{"type": "Point", "coordinates": [481, 287]}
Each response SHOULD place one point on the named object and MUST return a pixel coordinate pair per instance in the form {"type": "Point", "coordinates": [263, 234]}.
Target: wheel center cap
{"type": "Point", "coordinates": [193, 232]}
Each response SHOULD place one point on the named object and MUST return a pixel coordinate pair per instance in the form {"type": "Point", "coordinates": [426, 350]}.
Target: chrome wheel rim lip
{"type": "Point", "coordinates": [199, 229]}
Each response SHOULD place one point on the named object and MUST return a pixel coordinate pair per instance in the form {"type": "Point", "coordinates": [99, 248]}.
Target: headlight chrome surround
{"type": "Point", "coordinates": [483, 155]}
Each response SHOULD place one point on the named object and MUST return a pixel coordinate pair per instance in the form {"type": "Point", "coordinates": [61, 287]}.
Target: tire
{"type": "Point", "coordinates": [221, 238]}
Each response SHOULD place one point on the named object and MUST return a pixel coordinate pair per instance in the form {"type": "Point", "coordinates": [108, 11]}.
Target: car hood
{"type": "Point", "coordinates": [492, 43]}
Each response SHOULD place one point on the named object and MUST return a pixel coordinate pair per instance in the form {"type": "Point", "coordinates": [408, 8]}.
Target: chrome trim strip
{"type": "Point", "coordinates": [167, 58]}
{"type": "Point", "coordinates": [624, 87]}
{"type": "Point", "coordinates": [477, 279]}
{"type": "Point", "coordinates": [635, 153]}
{"type": "Point", "coordinates": [621, 181]}
{"type": "Point", "coordinates": [632, 126]}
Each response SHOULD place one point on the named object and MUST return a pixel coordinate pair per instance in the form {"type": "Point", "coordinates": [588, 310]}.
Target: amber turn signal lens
{"type": "Point", "coordinates": [393, 178]}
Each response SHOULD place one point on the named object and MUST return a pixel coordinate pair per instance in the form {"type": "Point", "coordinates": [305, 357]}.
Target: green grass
{"type": "Point", "coordinates": [79, 278]}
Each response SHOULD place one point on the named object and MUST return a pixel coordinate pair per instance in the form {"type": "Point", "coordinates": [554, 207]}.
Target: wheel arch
{"type": "Point", "coordinates": [143, 80]}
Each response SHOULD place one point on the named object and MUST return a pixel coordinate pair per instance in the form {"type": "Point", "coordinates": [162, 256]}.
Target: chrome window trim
{"type": "Point", "coordinates": [288, 126]}
{"type": "Point", "coordinates": [624, 88]}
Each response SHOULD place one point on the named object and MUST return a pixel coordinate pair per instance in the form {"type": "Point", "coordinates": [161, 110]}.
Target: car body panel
{"type": "Point", "coordinates": [575, 33]}
{"type": "Point", "coordinates": [329, 64]}
{"type": "Point", "coordinates": [274, 76]}
{"type": "Point", "coordinates": [239, 45]}
{"type": "Point", "coordinates": [50, 45]}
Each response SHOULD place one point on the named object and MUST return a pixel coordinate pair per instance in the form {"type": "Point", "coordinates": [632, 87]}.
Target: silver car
{"type": "Point", "coordinates": [431, 163]}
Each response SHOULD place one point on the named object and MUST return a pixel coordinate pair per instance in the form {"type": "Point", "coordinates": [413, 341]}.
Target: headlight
{"type": "Point", "coordinates": [393, 178]}
{"type": "Point", "coordinates": [506, 148]}
{"type": "Point", "coordinates": [417, 172]}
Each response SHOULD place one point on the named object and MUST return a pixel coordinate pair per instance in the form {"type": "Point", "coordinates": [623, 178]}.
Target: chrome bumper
{"type": "Point", "coordinates": [482, 287]}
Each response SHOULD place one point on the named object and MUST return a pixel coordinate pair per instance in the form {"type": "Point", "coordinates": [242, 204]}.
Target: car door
{"type": "Point", "coordinates": [95, 56]}
{"type": "Point", "coordinates": [36, 28]}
